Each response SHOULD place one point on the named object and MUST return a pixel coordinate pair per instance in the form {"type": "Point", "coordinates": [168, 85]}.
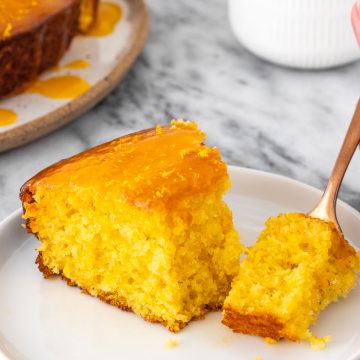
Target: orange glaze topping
{"type": "Point", "coordinates": [7, 117]}
{"type": "Point", "coordinates": [21, 15]}
{"type": "Point", "coordinates": [146, 168]}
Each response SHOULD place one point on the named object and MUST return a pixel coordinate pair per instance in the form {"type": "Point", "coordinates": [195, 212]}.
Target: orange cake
{"type": "Point", "coordinates": [34, 34]}
{"type": "Point", "coordinates": [140, 223]}
{"type": "Point", "coordinates": [297, 267]}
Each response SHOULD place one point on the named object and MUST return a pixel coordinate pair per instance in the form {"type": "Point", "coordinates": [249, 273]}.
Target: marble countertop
{"type": "Point", "coordinates": [260, 116]}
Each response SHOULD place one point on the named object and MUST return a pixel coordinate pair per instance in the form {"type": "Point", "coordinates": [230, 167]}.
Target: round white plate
{"type": "Point", "coordinates": [48, 320]}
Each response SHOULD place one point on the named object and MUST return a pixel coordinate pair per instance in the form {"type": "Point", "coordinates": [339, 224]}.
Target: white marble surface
{"type": "Point", "coordinates": [259, 115]}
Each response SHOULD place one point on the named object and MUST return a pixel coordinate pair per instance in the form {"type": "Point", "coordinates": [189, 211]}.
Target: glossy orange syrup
{"type": "Point", "coordinates": [109, 15]}
{"type": "Point", "coordinates": [77, 65]}
{"type": "Point", "coordinates": [12, 12]}
{"type": "Point", "coordinates": [171, 159]}
{"type": "Point", "coordinates": [7, 117]}
{"type": "Point", "coordinates": [60, 87]}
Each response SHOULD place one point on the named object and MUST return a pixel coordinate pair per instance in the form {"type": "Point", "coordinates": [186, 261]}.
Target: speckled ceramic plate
{"type": "Point", "coordinates": [46, 319]}
{"type": "Point", "coordinates": [108, 58]}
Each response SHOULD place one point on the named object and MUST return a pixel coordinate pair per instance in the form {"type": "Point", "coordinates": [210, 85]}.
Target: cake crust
{"type": "Point", "coordinates": [259, 324]}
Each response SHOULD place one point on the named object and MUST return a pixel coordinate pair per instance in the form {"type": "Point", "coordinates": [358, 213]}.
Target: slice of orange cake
{"type": "Point", "coordinates": [140, 223]}
{"type": "Point", "coordinates": [297, 267]}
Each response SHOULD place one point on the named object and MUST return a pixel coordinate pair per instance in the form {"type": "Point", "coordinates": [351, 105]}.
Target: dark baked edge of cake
{"type": "Point", "coordinates": [256, 323]}
{"type": "Point", "coordinates": [27, 54]}
{"type": "Point", "coordinates": [106, 297]}
{"type": "Point", "coordinates": [26, 196]}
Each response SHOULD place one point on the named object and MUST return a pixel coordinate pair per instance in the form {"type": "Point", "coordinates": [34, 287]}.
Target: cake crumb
{"type": "Point", "coordinates": [158, 130]}
{"type": "Point", "coordinates": [183, 124]}
{"type": "Point", "coordinates": [319, 343]}
{"type": "Point", "coordinates": [169, 344]}
{"type": "Point", "coordinates": [269, 340]}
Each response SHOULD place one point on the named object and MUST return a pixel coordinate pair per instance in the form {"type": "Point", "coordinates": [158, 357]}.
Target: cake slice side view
{"type": "Point", "coordinates": [297, 267]}
{"type": "Point", "coordinates": [140, 223]}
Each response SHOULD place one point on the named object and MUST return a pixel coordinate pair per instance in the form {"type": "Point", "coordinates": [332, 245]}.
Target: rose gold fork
{"type": "Point", "coordinates": [326, 208]}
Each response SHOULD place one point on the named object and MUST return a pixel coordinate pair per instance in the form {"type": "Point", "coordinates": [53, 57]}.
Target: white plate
{"type": "Point", "coordinates": [48, 320]}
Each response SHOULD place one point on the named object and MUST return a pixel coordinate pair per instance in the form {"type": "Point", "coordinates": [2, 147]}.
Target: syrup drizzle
{"type": "Point", "coordinates": [60, 87]}
{"type": "Point", "coordinates": [7, 117]}
{"type": "Point", "coordinates": [108, 16]}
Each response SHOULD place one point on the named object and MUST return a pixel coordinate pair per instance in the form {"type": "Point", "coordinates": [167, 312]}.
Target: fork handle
{"type": "Point", "coordinates": [326, 208]}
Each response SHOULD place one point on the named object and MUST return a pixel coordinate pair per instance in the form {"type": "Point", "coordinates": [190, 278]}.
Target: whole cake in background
{"type": "Point", "coordinates": [140, 223]}
{"type": "Point", "coordinates": [34, 35]}
{"type": "Point", "coordinates": [297, 267]}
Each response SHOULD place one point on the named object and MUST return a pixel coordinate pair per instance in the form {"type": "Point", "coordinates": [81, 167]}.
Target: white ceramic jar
{"type": "Point", "coordinates": [310, 34]}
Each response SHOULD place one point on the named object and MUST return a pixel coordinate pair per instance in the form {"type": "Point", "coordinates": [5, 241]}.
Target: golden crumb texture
{"type": "Point", "coordinates": [297, 267]}
{"type": "Point", "coordinates": [140, 223]}
{"type": "Point", "coordinates": [169, 344]}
